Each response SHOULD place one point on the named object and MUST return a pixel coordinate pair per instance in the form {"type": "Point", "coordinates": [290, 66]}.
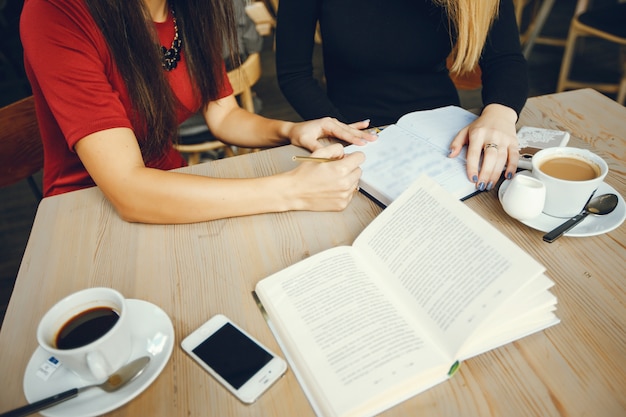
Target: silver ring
{"type": "Point", "coordinates": [491, 145]}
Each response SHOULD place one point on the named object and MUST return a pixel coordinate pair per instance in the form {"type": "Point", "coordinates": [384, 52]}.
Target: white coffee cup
{"type": "Point", "coordinates": [93, 361]}
{"type": "Point", "coordinates": [567, 197]}
{"type": "Point", "coordinates": [524, 197]}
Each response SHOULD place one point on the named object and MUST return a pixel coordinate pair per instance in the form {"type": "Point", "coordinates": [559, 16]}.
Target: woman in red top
{"type": "Point", "coordinates": [112, 80]}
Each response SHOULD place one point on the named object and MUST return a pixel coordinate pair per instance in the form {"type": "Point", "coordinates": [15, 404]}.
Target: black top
{"type": "Point", "coordinates": [385, 58]}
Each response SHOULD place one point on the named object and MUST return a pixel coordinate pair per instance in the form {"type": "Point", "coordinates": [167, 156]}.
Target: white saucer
{"type": "Point", "coordinates": [153, 335]}
{"type": "Point", "coordinates": [590, 226]}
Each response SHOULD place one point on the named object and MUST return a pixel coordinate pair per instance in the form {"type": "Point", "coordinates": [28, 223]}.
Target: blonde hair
{"type": "Point", "coordinates": [472, 20]}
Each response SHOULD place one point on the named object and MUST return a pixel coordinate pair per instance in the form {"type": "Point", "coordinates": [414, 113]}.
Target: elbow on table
{"type": "Point", "coordinates": [130, 217]}
{"type": "Point", "coordinates": [129, 209]}
{"type": "Point", "coordinates": [129, 213]}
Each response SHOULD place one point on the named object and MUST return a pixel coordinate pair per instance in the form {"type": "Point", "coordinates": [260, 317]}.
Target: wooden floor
{"type": "Point", "coordinates": [18, 206]}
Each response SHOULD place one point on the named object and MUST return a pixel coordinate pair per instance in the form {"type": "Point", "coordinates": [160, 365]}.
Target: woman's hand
{"type": "Point", "coordinates": [494, 136]}
{"type": "Point", "coordinates": [325, 186]}
{"type": "Point", "coordinates": [308, 134]}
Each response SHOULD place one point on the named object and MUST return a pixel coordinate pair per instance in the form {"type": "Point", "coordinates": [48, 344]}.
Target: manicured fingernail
{"type": "Point", "coordinates": [481, 186]}
{"type": "Point", "coordinates": [475, 178]}
{"type": "Point", "coordinates": [489, 185]}
{"type": "Point", "coordinates": [509, 175]}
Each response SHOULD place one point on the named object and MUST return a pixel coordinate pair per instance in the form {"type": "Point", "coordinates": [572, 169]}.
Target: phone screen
{"type": "Point", "coordinates": [232, 355]}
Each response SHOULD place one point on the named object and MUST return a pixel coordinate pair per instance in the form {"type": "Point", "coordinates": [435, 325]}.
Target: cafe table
{"type": "Point", "coordinates": [194, 271]}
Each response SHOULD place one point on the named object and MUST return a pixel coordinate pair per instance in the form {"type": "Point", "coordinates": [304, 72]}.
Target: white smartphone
{"type": "Point", "coordinates": [233, 357]}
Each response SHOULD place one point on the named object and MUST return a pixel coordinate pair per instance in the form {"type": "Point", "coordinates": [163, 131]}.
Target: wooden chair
{"type": "Point", "coordinates": [242, 79]}
{"type": "Point", "coordinates": [608, 23]}
{"type": "Point", "coordinates": [261, 15]}
{"type": "Point", "coordinates": [21, 149]}
{"type": "Point", "coordinates": [195, 138]}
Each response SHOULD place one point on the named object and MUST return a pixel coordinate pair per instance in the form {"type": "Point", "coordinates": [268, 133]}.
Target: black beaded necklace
{"type": "Point", "coordinates": [170, 57]}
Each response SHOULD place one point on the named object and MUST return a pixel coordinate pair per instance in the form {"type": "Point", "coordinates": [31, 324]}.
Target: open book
{"type": "Point", "coordinates": [419, 143]}
{"type": "Point", "coordinates": [426, 285]}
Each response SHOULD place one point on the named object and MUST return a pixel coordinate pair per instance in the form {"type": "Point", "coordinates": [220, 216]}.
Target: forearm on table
{"type": "Point", "coordinates": [142, 194]}
{"type": "Point", "coordinates": [166, 197]}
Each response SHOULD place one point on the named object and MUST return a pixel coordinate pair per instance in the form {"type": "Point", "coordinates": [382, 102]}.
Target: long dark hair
{"type": "Point", "coordinates": [204, 26]}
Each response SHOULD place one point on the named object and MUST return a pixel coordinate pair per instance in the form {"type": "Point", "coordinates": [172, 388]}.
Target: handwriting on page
{"type": "Point", "coordinates": [397, 166]}
{"type": "Point", "coordinates": [438, 126]}
{"type": "Point", "coordinates": [419, 143]}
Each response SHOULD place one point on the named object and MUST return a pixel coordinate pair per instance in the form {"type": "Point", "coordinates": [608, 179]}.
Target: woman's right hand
{"type": "Point", "coordinates": [325, 186]}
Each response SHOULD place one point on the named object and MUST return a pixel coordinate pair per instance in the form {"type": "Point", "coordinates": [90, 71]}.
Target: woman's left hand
{"type": "Point", "coordinates": [308, 134]}
{"type": "Point", "coordinates": [493, 135]}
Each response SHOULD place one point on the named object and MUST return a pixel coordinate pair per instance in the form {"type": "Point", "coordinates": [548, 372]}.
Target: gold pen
{"type": "Point", "coordinates": [300, 158]}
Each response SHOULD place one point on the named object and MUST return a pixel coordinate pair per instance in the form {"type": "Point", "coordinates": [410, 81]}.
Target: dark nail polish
{"type": "Point", "coordinates": [481, 186]}
{"type": "Point", "coordinates": [475, 178]}
{"type": "Point", "coordinates": [489, 185]}
{"type": "Point", "coordinates": [509, 175]}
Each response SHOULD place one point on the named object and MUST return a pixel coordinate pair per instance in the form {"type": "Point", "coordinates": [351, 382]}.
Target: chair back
{"type": "Point", "coordinates": [244, 77]}
{"type": "Point", "coordinates": [264, 20]}
{"type": "Point", "coordinates": [21, 149]}
{"type": "Point", "coordinates": [607, 23]}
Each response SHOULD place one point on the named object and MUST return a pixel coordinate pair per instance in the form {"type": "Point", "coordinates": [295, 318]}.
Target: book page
{"type": "Point", "coordinates": [531, 309]}
{"type": "Point", "coordinates": [418, 144]}
{"type": "Point", "coordinates": [445, 261]}
{"type": "Point", "coordinates": [349, 340]}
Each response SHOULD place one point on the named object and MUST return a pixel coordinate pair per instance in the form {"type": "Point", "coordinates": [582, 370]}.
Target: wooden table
{"type": "Point", "coordinates": [194, 271]}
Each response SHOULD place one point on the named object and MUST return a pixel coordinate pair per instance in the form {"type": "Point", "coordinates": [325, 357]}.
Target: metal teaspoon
{"type": "Point", "coordinates": [600, 205]}
{"type": "Point", "coordinates": [116, 381]}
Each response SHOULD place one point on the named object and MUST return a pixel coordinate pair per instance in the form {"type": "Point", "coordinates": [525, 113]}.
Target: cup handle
{"type": "Point", "coordinates": [98, 365]}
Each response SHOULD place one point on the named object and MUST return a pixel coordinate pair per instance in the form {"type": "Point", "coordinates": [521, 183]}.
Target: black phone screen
{"type": "Point", "coordinates": [232, 355]}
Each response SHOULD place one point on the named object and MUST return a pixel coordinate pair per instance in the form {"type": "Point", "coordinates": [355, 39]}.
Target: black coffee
{"type": "Point", "coordinates": [86, 327]}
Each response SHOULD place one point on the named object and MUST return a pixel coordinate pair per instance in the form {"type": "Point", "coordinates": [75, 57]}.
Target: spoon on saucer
{"type": "Point", "coordinates": [114, 382]}
{"type": "Point", "coordinates": [600, 205]}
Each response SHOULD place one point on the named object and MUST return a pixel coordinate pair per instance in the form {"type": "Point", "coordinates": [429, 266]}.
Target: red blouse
{"type": "Point", "coordinates": [79, 91]}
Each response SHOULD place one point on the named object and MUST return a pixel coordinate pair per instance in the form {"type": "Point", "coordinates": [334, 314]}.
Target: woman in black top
{"type": "Point", "coordinates": [385, 58]}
